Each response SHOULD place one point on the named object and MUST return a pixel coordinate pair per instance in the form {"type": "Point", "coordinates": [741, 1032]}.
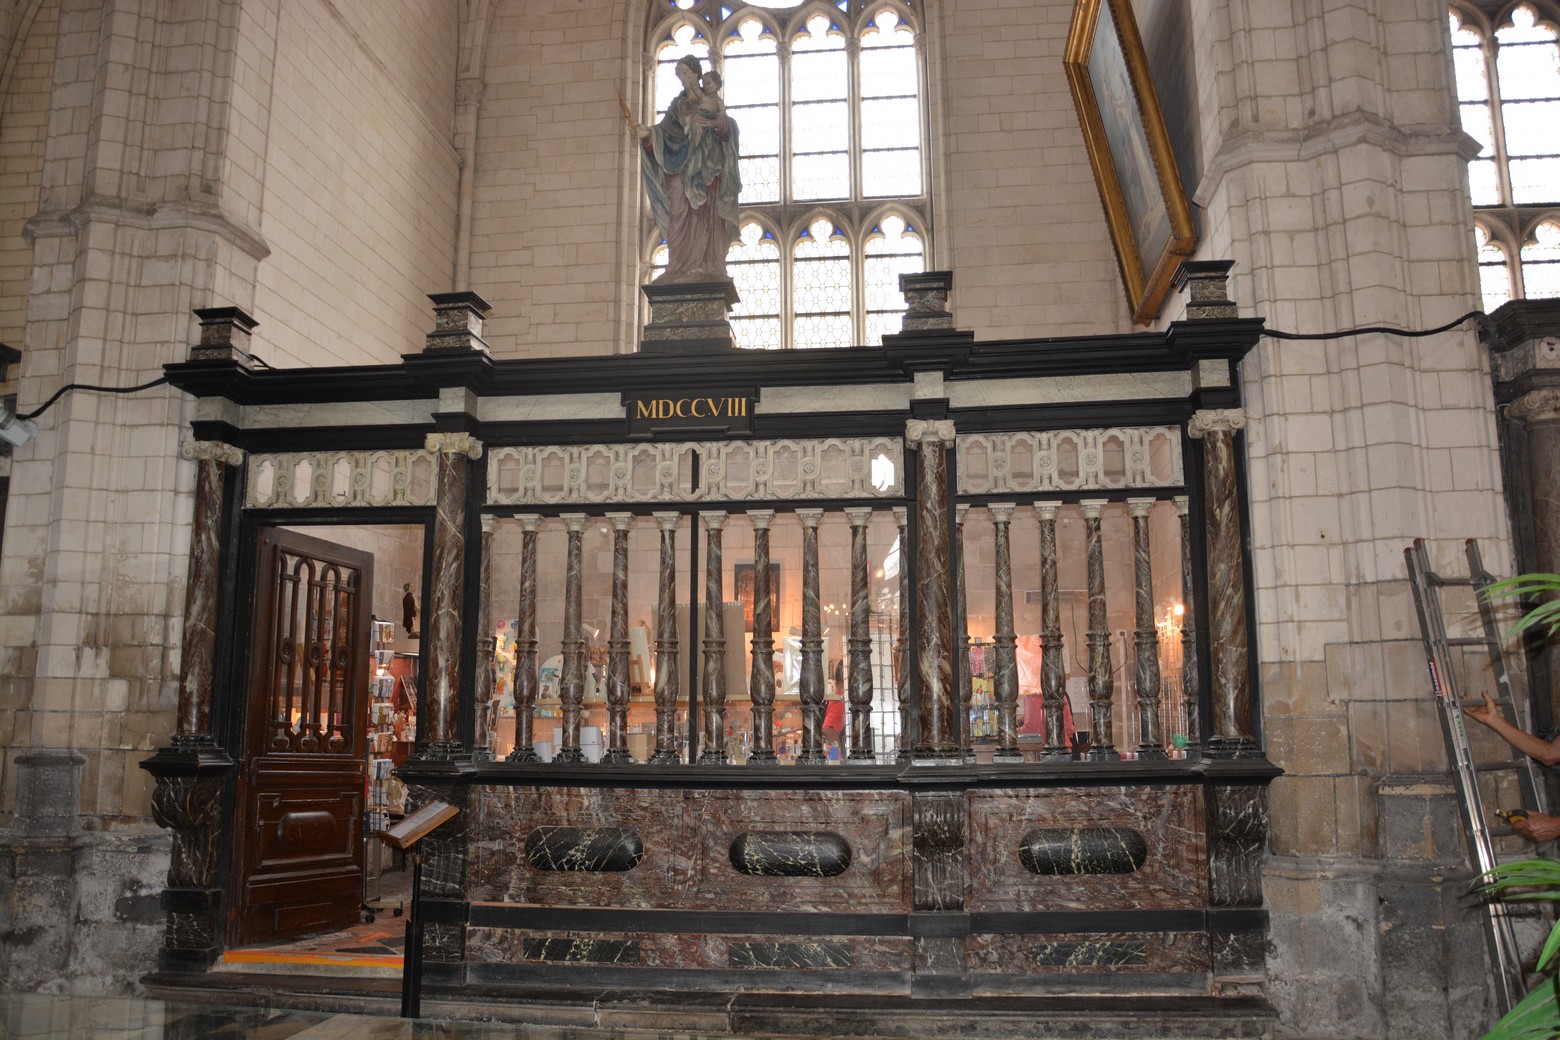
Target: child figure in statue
{"type": "Point", "coordinates": [692, 176]}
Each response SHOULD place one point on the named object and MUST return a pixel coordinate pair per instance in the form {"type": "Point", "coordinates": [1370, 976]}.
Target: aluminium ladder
{"type": "Point", "coordinates": [1446, 685]}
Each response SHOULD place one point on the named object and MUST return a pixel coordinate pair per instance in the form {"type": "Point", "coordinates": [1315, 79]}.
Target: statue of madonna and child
{"type": "Point", "coordinates": [692, 177]}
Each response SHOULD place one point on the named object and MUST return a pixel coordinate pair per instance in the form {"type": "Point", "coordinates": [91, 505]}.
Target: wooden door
{"type": "Point", "coordinates": [299, 859]}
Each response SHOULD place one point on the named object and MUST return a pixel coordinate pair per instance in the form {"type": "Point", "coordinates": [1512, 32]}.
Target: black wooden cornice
{"type": "Point", "coordinates": [422, 376]}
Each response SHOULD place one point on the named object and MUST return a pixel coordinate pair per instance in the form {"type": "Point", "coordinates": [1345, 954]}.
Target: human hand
{"type": "Point", "coordinates": [1537, 826]}
{"type": "Point", "coordinates": [641, 132]}
{"type": "Point", "coordinates": [1483, 713]}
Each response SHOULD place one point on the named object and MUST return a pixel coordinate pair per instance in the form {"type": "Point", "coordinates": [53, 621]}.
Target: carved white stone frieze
{"type": "Point", "coordinates": [729, 471]}
{"type": "Point", "coordinates": [340, 479]}
{"type": "Point", "coordinates": [1070, 460]}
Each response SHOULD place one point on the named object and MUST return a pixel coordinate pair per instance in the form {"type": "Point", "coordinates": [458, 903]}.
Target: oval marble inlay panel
{"type": "Point", "coordinates": [1082, 850]}
{"type": "Point", "coordinates": [595, 849]}
{"type": "Point", "coordinates": [790, 853]}
{"type": "Point", "coordinates": [303, 833]}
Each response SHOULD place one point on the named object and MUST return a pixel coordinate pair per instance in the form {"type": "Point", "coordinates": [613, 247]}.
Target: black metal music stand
{"type": "Point", "coordinates": [405, 836]}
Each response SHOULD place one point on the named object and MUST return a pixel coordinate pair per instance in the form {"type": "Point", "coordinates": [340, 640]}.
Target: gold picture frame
{"type": "Point", "coordinates": [1129, 151]}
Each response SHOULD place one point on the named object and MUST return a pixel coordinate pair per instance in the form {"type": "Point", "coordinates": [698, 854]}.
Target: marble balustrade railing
{"type": "Point", "coordinates": [1131, 687]}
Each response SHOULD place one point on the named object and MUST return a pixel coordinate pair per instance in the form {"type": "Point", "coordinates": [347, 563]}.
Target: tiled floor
{"type": "Point", "coordinates": [368, 949]}
{"type": "Point", "coordinates": [40, 1017]}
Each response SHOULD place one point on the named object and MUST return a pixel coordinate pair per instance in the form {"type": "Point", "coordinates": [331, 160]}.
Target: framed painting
{"type": "Point", "coordinates": [1129, 151]}
{"type": "Point", "coordinates": [742, 575]}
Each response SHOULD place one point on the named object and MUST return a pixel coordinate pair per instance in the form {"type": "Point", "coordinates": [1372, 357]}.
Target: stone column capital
{"type": "Point", "coordinates": [460, 443]}
{"type": "Point", "coordinates": [529, 522]}
{"type": "Point", "coordinates": [961, 511]}
{"type": "Point", "coordinates": [1047, 510]}
{"type": "Point", "coordinates": [1206, 420]}
{"type": "Point", "coordinates": [1001, 512]}
{"type": "Point", "coordinates": [1139, 506]}
{"type": "Point", "coordinates": [859, 515]}
{"type": "Point", "coordinates": [809, 517]}
{"type": "Point", "coordinates": [1092, 507]}
{"type": "Point", "coordinates": [667, 521]}
{"type": "Point", "coordinates": [620, 521]}
{"type": "Point", "coordinates": [1536, 406]}
{"type": "Point", "coordinates": [468, 91]}
{"type": "Point", "coordinates": [901, 514]}
{"type": "Point", "coordinates": [714, 519]}
{"type": "Point", "coordinates": [922, 430]}
{"type": "Point", "coordinates": [1183, 504]}
{"type": "Point", "coordinates": [761, 518]}
{"type": "Point", "coordinates": [216, 451]}
{"type": "Point", "coordinates": [574, 523]}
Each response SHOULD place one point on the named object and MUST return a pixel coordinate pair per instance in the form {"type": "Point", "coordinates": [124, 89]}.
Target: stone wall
{"type": "Point", "coordinates": [290, 159]}
{"type": "Point", "coordinates": [312, 179]}
{"type": "Point", "coordinates": [1335, 180]}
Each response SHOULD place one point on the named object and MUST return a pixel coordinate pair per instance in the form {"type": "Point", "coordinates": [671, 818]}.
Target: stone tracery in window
{"type": "Point", "coordinates": [829, 103]}
{"type": "Point", "coordinates": [1507, 66]}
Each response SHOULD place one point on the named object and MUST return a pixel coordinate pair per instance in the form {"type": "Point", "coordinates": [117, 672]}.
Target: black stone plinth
{"type": "Point", "coordinates": [457, 318]}
{"type": "Point", "coordinates": [224, 336]}
{"type": "Point", "coordinates": [689, 317]}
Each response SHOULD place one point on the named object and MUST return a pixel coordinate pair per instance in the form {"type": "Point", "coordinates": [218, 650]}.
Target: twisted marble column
{"type": "Point", "coordinates": [1191, 670]}
{"type": "Point", "coordinates": [666, 687]}
{"type": "Point", "coordinates": [617, 646]}
{"type": "Point", "coordinates": [190, 774]}
{"type": "Point", "coordinates": [812, 681]}
{"type": "Point", "coordinates": [860, 642]}
{"type": "Point", "coordinates": [902, 635]}
{"type": "Point", "coordinates": [938, 708]}
{"type": "Point", "coordinates": [1146, 637]}
{"type": "Point", "coordinates": [1004, 639]}
{"type": "Point", "coordinates": [1228, 642]}
{"type": "Point", "coordinates": [486, 642]}
{"type": "Point", "coordinates": [1053, 662]}
{"type": "Point", "coordinates": [1101, 681]}
{"type": "Point", "coordinates": [198, 660]}
{"type": "Point", "coordinates": [527, 679]}
{"type": "Point", "coordinates": [713, 694]}
{"type": "Point", "coordinates": [761, 686]}
{"type": "Point", "coordinates": [453, 453]}
{"type": "Point", "coordinates": [964, 670]}
{"type": "Point", "coordinates": [571, 684]}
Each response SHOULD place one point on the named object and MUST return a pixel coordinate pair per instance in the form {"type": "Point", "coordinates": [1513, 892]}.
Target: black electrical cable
{"type": "Point", "coordinates": [1369, 330]}
{"type": "Point", "coordinates": [88, 386]}
{"type": "Point", "coordinates": [116, 389]}
{"type": "Point", "coordinates": [1365, 330]}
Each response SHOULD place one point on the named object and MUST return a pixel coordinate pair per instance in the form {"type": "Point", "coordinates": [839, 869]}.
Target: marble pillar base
{"type": "Point", "coordinates": [1234, 747]}
{"type": "Point", "coordinates": [190, 777]}
{"type": "Point", "coordinates": [688, 317]}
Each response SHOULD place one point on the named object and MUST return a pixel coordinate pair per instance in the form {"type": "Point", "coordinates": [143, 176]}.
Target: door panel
{"type": "Point", "coordinates": [300, 858]}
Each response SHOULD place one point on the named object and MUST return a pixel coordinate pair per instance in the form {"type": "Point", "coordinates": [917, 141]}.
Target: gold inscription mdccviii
{"type": "Point", "coordinates": [692, 408]}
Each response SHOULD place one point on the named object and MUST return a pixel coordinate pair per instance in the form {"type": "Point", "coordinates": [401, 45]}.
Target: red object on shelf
{"type": "Point", "coordinates": [834, 716]}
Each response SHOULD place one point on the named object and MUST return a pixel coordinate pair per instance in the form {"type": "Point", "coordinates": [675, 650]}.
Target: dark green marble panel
{"type": "Point", "coordinates": [1115, 953]}
{"type": "Point", "coordinates": [1082, 850]}
{"type": "Point", "coordinates": [594, 849]}
{"type": "Point", "coordinates": [581, 951]}
{"type": "Point", "coordinates": [788, 955]}
{"type": "Point", "coordinates": [790, 853]}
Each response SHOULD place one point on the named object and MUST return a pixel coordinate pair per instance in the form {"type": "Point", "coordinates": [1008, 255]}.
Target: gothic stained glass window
{"type": "Point", "coordinates": [1506, 61]}
{"type": "Point", "coordinates": [828, 99]}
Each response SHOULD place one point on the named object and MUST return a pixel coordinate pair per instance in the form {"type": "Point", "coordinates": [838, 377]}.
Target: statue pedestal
{"type": "Point", "coordinates": [688, 317]}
